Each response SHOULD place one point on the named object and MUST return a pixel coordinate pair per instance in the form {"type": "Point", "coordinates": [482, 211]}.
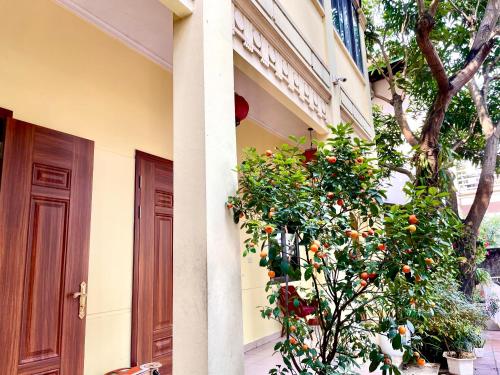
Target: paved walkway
{"type": "Point", "coordinates": [490, 363]}
{"type": "Point", "coordinates": [260, 360]}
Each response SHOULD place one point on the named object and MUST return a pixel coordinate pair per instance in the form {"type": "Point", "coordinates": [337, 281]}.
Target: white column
{"type": "Point", "coordinates": [208, 329]}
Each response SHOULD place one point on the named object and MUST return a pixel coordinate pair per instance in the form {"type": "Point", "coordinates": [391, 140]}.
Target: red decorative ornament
{"type": "Point", "coordinates": [241, 108]}
{"type": "Point", "coordinates": [310, 153]}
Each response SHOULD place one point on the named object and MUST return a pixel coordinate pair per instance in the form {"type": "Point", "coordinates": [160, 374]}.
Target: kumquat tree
{"type": "Point", "coordinates": [363, 268]}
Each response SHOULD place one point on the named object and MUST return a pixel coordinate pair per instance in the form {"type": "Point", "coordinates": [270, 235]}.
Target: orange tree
{"type": "Point", "coordinates": [365, 266]}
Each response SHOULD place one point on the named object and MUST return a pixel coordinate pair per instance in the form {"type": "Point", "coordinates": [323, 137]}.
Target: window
{"type": "Point", "coordinates": [3, 125]}
{"type": "Point", "coordinates": [345, 19]}
{"type": "Point", "coordinates": [284, 256]}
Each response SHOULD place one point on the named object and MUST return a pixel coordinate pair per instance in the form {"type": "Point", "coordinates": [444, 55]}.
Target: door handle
{"type": "Point", "coordinates": [82, 295]}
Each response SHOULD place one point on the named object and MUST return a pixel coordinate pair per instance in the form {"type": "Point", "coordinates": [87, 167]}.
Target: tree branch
{"type": "Point", "coordinates": [481, 46]}
{"type": "Point", "coordinates": [462, 141]}
{"type": "Point", "coordinates": [425, 24]}
{"type": "Point", "coordinates": [381, 97]}
{"type": "Point", "coordinates": [399, 169]}
{"type": "Point", "coordinates": [433, 7]}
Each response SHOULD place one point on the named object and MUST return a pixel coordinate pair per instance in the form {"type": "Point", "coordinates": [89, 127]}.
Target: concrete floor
{"type": "Point", "coordinates": [260, 360]}
{"type": "Point", "coordinates": [490, 363]}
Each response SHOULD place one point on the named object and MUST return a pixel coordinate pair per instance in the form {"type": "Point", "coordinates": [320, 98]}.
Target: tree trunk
{"type": "Point", "coordinates": [467, 247]}
{"type": "Point", "coordinates": [429, 153]}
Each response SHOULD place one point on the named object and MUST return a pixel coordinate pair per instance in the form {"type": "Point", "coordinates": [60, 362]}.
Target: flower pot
{"type": "Point", "coordinates": [479, 352]}
{"type": "Point", "coordinates": [386, 347]}
{"type": "Point", "coordinates": [459, 366]}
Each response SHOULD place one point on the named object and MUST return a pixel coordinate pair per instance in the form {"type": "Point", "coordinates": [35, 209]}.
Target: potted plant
{"type": "Point", "coordinates": [479, 349]}
{"type": "Point", "coordinates": [356, 253]}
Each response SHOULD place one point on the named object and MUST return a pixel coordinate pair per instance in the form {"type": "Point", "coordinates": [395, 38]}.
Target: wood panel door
{"type": "Point", "coordinates": [152, 289]}
{"type": "Point", "coordinates": [45, 201]}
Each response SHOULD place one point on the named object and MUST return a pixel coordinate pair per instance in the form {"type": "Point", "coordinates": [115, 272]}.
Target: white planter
{"type": "Point", "coordinates": [459, 366]}
{"type": "Point", "coordinates": [479, 352]}
{"type": "Point", "coordinates": [386, 347]}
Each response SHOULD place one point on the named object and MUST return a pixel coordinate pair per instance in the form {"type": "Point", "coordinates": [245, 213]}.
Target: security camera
{"type": "Point", "coordinates": [338, 80]}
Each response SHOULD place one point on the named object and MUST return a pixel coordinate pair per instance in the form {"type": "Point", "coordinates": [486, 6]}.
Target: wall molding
{"type": "Point", "coordinates": [262, 341]}
{"type": "Point", "coordinates": [352, 110]}
{"type": "Point", "coordinates": [83, 13]}
{"type": "Point", "coordinates": [253, 30]}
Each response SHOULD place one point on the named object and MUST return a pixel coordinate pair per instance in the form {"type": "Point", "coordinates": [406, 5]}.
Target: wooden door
{"type": "Point", "coordinates": [152, 289]}
{"type": "Point", "coordinates": [44, 240]}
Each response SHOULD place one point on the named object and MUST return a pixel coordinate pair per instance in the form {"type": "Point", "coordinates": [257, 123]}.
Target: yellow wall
{"type": "Point", "coordinates": [253, 277]}
{"type": "Point", "coordinates": [310, 23]}
{"type": "Point", "coordinates": [62, 73]}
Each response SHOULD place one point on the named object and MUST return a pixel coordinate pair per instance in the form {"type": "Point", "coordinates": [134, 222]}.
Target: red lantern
{"type": "Point", "coordinates": [241, 108]}
{"type": "Point", "coordinates": [310, 153]}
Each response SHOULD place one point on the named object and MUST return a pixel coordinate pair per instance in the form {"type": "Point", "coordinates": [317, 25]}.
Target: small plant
{"type": "Point", "coordinates": [367, 268]}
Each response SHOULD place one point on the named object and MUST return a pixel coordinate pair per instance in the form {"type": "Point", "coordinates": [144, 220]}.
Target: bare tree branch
{"type": "Point", "coordinates": [433, 7]}
{"type": "Point", "coordinates": [381, 97]}
{"type": "Point", "coordinates": [425, 24]}
{"type": "Point", "coordinates": [481, 46]}
{"type": "Point", "coordinates": [421, 6]}
{"type": "Point", "coordinates": [462, 141]}
{"type": "Point", "coordinates": [399, 169]}
{"type": "Point", "coordinates": [397, 100]}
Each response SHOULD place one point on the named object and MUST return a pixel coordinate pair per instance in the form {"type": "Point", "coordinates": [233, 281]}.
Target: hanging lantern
{"type": "Point", "coordinates": [241, 108]}
{"type": "Point", "coordinates": [310, 153]}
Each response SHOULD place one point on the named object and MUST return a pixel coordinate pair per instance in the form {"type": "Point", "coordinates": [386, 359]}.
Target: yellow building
{"type": "Point", "coordinates": [97, 99]}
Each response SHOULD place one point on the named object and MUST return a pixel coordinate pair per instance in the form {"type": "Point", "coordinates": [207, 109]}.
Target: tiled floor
{"type": "Point", "coordinates": [259, 361]}
{"type": "Point", "coordinates": [490, 363]}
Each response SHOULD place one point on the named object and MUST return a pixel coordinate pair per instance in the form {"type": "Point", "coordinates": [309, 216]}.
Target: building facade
{"type": "Point", "coordinates": [110, 112]}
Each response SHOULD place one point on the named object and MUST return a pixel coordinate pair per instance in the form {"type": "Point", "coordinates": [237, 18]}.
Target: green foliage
{"type": "Point", "coordinates": [392, 24]}
{"type": "Point", "coordinates": [456, 324]}
{"type": "Point", "coordinates": [490, 231]}
{"type": "Point", "coordinates": [369, 267]}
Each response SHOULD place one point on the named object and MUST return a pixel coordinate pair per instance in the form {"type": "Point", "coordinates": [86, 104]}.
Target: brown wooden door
{"type": "Point", "coordinates": [44, 240]}
{"type": "Point", "coordinates": [152, 289]}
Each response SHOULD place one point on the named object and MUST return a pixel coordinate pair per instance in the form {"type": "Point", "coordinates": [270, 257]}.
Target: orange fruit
{"type": "Point", "coordinates": [305, 348]}
{"type": "Point", "coordinates": [421, 362]}
{"type": "Point", "coordinates": [330, 195]}
{"type": "Point", "coordinates": [381, 247]}
{"type": "Point", "coordinates": [263, 254]}
{"type": "Point", "coordinates": [402, 330]}
{"type": "Point", "coordinates": [418, 278]}
{"type": "Point", "coordinates": [387, 361]}
{"type": "Point", "coordinates": [406, 268]}
{"type": "Point", "coordinates": [331, 159]}
{"type": "Point", "coordinates": [271, 274]}
{"type": "Point", "coordinates": [293, 329]}
{"type": "Point", "coordinates": [293, 341]}
{"type": "Point", "coordinates": [360, 160]}
{"type": "Point", "coordinates": [313, 248]}
{"type": "Point", "coordinates": [340, 202]}
{"type": "Point", "coordinates": [348, 232]}
{"type": "Point", "coordinates": [412, 228]}
{"type": "Point", "coordinates": [269, 153]}
{"type": "Point", "coordinates": [412, 219]}
{"type": "Point", "coordinates": [429, 261]}
{"type": "Point", "coordinates": [229, 205]}
{"type": "Point", "coordinates": [364, 234]}
{"type": "Point", "coordinates": [364, 275]}
{"type": "Point", "coordinates": [363, 283]}
{"type": "Point", "coordinates": [316, 265]}
{"type": "Point", "coordinates": [371, 232]}
{"type": "Point", "coordinates": [269, 229]}
{"type": "Point", "coordinates": [354, 234]}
